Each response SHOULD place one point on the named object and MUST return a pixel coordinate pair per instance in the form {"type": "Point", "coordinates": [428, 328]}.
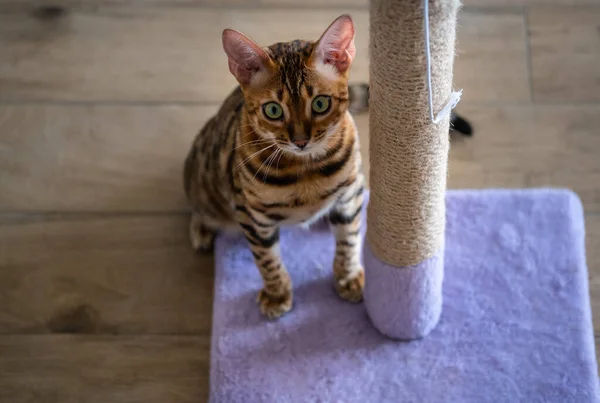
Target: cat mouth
{"type": "Point", "coordinates": [297, 150]}
{"type": "Point", "coordinates": [304, 151]}
{"type": "Point", "coordinates": [293, 148]}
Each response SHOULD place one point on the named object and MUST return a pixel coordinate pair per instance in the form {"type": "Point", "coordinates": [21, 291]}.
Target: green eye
{"type": "Point", "coordinates": [320, 104]}
{"type": "Point", "coordinates": [273, 110]}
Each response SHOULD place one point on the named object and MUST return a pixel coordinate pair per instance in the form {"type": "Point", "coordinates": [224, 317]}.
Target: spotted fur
{"type": "Point", "coordinates": [248, 172]}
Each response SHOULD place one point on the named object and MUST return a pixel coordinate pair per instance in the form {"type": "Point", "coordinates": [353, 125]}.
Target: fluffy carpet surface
{"type": "Point", "coordinates": [515, 327]}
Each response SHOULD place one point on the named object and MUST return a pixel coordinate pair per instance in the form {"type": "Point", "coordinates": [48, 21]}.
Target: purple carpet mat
{"type": "Point", "coordinates": [515, 327]}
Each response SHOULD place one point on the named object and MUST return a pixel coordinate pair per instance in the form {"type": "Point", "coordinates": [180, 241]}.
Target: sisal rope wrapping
{"type": "Point", "coordinates": [408, 152]}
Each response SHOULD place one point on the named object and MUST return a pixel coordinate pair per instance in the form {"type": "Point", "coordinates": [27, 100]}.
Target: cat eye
{"type": "Point", "coordinates": [321, 104]}
{"type": "Point", "coordinates": [272, 110]}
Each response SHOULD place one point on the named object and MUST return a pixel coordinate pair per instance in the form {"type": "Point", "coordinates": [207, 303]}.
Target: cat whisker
{"type": "Point", "coordinates": [253, 155]}
{"type": "Point", "coordinates": [271, 163]}
{"type": "Point", "coordinates": [249, 133]}
{"type": "Point", "coordinates": [279, 159]}
{"type": "Point", "coordinates": [253, 142]}
{"type": "Point", "coordinates": [266, 167]}
{"type": "Point", "coordinates": [261, 165]}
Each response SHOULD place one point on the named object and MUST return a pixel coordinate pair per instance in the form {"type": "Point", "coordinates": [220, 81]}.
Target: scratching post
{"type": "Point", "coordinates": [404, 246]}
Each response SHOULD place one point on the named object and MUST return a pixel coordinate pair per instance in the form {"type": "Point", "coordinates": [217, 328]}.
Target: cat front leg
{"type": "Point", "coordinates": [275, 298]}
{"type": "Point", "coordinates": [346, 220]}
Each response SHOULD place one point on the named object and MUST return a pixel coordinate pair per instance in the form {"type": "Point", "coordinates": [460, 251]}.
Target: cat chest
{"type": "Point", "coordinates": [300, 204]}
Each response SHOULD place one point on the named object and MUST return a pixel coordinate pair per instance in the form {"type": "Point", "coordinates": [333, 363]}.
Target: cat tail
{"type": "Point", "coordinates": [358, 94]}
{"type": "Point", "coordinates": [358, 97]}
{"type": "Point", "coordinates": [460, 124]}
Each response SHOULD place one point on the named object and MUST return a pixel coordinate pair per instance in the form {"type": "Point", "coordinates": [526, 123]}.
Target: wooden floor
{"type": "Point", "coordinates": [101, 297]}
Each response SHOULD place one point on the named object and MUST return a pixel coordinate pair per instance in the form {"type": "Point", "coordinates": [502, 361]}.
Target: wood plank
{"type": "Point", "coordinates": [530, 146]}
{"type": "Point", "coordinates": [524, 146]}
{"type": "Point", "coordinates": [98, 158]}
{"type": "Point", "coordinates": [316, 3]}
{"type": "Point", "coordinates": [100, 369]}
{"type": "Point", "coordinates": [498, 4]}
{"type": "Point", "coordinates": [51, 151]}
{"type": "Point", "coordinates": [349, 4]}
{"type": "Point", "coordinates": [95, 157]}
{"type": "Point", "coordinates": [102, 274]}
{"type": "Point", "coordinates": [41, 7]}
{"type": "Point", "coordinates": [592, 227]}
{"type": "Point", "coordinates": [491, 63]}
{"type": "Point", "coordinates": [565, 54]}
{"type": "Point", "coordinates": [149, 53]}
{"type": "Point", "coordinates": [164, 54]}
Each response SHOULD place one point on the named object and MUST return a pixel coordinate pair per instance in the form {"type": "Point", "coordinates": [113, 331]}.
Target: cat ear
{"type": "Point", "coordinates": [336, 47]}
{"type": "Point", "coordinates": [247, 60]}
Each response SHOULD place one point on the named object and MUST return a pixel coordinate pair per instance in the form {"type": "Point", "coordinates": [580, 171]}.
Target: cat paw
{"type": "Point", "coordinates": [202, 242]}
{"type": "Point", "coordinates": [201, 238]}
{"type": "Point", "coordinates": [351, 289]}
{"type": "Point", "coordinates": [274, 306]}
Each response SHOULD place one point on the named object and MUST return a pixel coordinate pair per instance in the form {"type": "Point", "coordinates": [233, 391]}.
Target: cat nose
{"type": "Point", "coordinates": [300, 143]}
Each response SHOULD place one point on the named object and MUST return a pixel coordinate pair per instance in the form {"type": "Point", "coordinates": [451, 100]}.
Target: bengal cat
{"type": "Point", "coordinates": [282, 150]}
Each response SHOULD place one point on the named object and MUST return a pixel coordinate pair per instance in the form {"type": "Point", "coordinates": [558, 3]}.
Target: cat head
{"type": "Point", "coordinates": [295, 92]}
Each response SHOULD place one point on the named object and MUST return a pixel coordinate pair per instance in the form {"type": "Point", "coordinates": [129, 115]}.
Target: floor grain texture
{"type": "Point", "coordinates": [102, 298]}
{"type": "Point", "coordinates": [122, 274]}
{"type": "Point", "coordinates": [100, 369]}
{"type": "Point", "coordinates": [565, 54]}
{"type": "Point", "coordinates": [181, 59]}
{"type": "Point", "coordinates": [104, 157]}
